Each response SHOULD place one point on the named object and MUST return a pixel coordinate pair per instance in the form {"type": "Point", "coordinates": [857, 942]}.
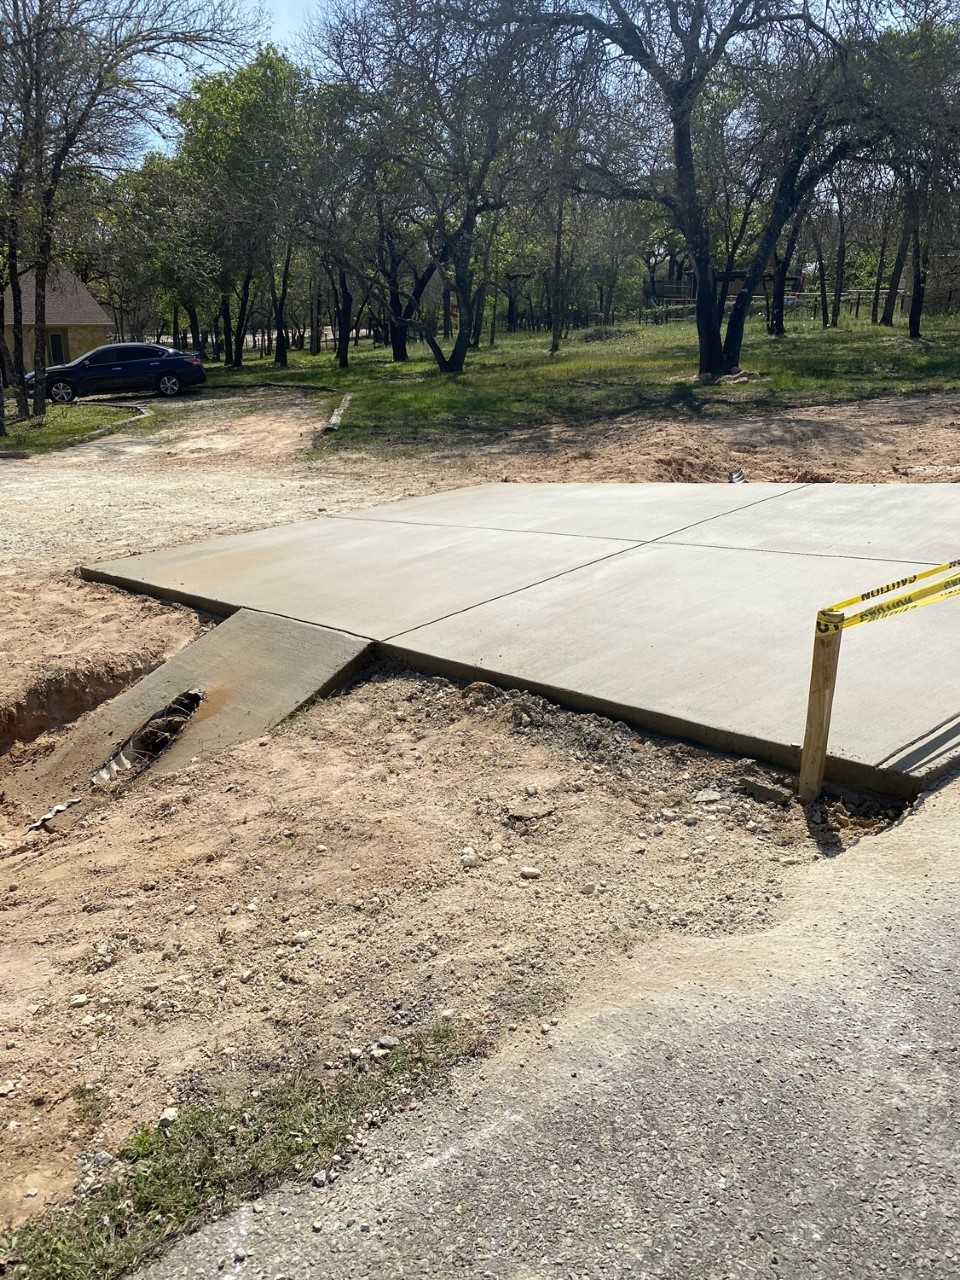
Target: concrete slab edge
{"type": "Point", "coordinates": [218, 608]}
{"type": "Point", "coordinates": [839, 771]}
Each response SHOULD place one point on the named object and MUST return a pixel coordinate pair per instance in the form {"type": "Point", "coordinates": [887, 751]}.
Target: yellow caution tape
{"type": "Point", "coordinates": [932, 594]}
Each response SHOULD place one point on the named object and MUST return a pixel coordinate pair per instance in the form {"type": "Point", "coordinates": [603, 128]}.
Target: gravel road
{"type": "Point", "coordinates": [782, 1105]}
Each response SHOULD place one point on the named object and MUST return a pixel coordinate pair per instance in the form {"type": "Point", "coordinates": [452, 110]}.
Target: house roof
{"type": "Point", "coordinates": [69, 301]}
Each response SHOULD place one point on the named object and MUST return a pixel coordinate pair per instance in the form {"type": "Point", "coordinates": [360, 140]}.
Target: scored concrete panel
{"type": "Point", "coordinates": [633, 512]}
{"type": "Point", "coordinates": [716, 644]}
{"type": "Point", "coordinates": [366, 577]}
{"type": "Point", "coordinates": [918, 522]}
{"type": "Point", "coordinates": [561, 587]}
{"type": "Point", "coordinates": [255, 670]}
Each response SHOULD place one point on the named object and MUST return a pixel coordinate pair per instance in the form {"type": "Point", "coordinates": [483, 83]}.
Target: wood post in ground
{"type": "Point", "coordinates": [823, 681]}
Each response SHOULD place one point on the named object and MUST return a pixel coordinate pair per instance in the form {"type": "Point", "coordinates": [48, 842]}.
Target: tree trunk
{"type": "Point", "coordinates": [227, 332]}
{"type": "Point", "coordinates": [447, 317]}
{"type": "Point", "coordinates": [556, 284]}
{"type": "Point", "coordinates": [822, 273]}
{"type": "Point", "coordinates": [896, 272]}
{"type": "Point", "coordinates": [315, 315]}
{"type": "Point", "coordinates": [918, 266]}
{"type": "Point", "coordinates": [344, 313]}
{"type": "Point", "coordinates": [878, 279]}
{"type": "Point", "coordinates": [697, 234]}
{"type": "Point", "coordinates": [243, 319]}
{"type": "Point", "coordinates": [40, 327]}
{"type": "Point", "coordinates": [5, 366]}
{"type": "Point", "coordinates": [279, 300]}
{"type": "Point", "coordinates": [195, 335]}
{"type": "Point", "coordinates": [777, 328]}
{"type": "Point", "coordinates": [840, 269]}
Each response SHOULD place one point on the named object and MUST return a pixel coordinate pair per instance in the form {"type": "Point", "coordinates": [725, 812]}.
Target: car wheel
{"type": "Point", "coordinates": [168, 385]}
{"type": "Point", "coordinates": [61, 392]}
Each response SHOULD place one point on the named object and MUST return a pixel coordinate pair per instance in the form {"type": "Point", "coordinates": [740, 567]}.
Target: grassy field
{"type": "Point", "coordinates": [643, 370]}
{"type": "Point", "coordinates": [518, 384]}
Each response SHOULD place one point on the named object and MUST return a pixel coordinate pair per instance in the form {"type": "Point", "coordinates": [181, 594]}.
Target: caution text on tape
{"type": "Point", "coordinates": [948, 585]}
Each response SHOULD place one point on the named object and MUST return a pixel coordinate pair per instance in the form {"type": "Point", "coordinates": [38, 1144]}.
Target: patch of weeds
{"type": "Point", "coordinates": [90, 1105]}
{"type": "Point", "coordinates": [63, 426]}
{"type": "Point", "coordinates": [177, 1176]}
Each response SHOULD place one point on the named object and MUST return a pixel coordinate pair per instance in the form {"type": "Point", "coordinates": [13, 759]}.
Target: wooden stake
{"type": "Point", "coordinates": [823, 681]}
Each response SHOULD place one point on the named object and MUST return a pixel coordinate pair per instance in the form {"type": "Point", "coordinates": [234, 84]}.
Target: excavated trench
{"type": "Point", "coordinates": [60, 696]}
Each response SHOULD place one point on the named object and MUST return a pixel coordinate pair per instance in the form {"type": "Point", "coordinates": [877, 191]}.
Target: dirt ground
{"type": "Point", "coordinates": [360, 871]}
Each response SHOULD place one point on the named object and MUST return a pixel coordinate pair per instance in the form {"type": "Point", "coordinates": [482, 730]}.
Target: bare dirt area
{"type": "Point", "coordinates": [403, 852]}
{"type": "Point", "coordinates": [911, 439]}
{"type": "Point", "coordinates": [361, 870]}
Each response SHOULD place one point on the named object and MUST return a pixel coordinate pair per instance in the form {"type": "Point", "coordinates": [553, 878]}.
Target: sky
{"type": "Point", "coordinates": [286, 18]}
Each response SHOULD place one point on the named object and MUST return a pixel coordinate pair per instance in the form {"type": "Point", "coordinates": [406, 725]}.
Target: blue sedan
{"type": "Point", "coordinates": [123, 366]}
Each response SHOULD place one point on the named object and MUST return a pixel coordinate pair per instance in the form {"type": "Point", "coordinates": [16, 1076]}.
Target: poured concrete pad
{"type": "Point", "coordinates": [255, 670]}
{"type": "Point", "coordinates": [880, 521]}
{"type": "Point", "coordinates": [366, 577]}
{"type": "Point", "coordinates": [688, 608]}
{"type": "Point", "coordinates": [632, 512]}
{"type": "Point", "coordinates": [715, 645]}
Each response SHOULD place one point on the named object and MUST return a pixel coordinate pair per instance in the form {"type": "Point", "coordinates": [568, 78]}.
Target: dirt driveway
{"type": "Point", "coordinates": [360, 870]}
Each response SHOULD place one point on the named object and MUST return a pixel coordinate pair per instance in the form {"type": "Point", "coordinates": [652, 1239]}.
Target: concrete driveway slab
{"type": "Point", "coordinates": [915, 522]}
{"type": "Point", "coordinates": [634, 512]}
{"type": "Point", "coordinates": [685, 608]}
{"type": "Point", "coordinates": [362, 576]}
{"type": "Point", "coordinates": [715, 645]}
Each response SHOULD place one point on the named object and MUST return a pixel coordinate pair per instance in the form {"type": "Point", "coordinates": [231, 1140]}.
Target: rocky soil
{"type": "Point", "coordinates": [406, 850]}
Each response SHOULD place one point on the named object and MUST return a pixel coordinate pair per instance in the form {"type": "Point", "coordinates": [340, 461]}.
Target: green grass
{"type": "Point", "coordinates": [518, 385]}
{"type": "Point", "coordinates": [210, 1159]}
{"type": "Point", "coordinates": [64, 425]}
{"type": "Point", "coordinates": [648, 370]}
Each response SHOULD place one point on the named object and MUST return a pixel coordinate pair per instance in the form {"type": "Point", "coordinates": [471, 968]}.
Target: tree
{"type": "Point", "coordinates": [674, 54]}
{"type": "Point", "coordinates": [84, 76]}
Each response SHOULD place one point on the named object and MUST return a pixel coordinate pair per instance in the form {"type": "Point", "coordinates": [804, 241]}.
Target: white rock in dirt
{"type": "Point", "coordinates": [469, 860]}
{"type": "Point", "coordinates": [707, 796]}
{"type": "Point", "coordinates": [79, 1000]}
{"type": "Point", "coordinates": [356, 1054]}
{"type": "Point", "coordinates": [387, 1042]}
{"type": "Point", "coordinates": [304, 936]}
{"type": "Point", "coordinates": [658, 829]}
{"type": "Point", "coordinates": [7, 1087]}
{"type": "Point", "coordinates": [188, 911]}
{"type": "Point", "coordinates": [168, 1116]}
{"type": "Point", "coordinates": [529, 873]}
{"type": "Point", "coordinates": [246, 975]}
{"type": "Point", "coordinates": [379, 1054]}
{"type": "Point", "coordinates": [588, 888]}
